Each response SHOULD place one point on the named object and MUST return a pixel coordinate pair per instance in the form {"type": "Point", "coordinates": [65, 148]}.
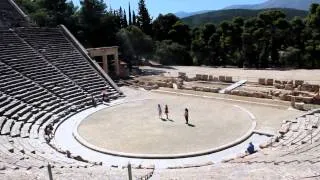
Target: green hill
{"type": "Point", "coordinates": [217, 17]}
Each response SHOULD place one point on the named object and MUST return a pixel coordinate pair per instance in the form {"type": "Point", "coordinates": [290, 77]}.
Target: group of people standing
{"type": "Point", "coordinates": [166, 111]}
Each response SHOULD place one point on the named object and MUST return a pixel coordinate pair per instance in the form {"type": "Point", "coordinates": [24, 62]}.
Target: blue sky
{"type": "Point", "coordinates": [172, 6]}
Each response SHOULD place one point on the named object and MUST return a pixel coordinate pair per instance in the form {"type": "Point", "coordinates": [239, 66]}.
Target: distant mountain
{"type": "Point", "coordinates": [217, 17]}
{"type": "Point", "coordinates": [293, 4]}
{"type": "Point", "coordinates": [183, 14]}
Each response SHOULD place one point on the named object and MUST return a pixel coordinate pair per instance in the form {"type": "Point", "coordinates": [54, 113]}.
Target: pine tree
{"type": "Point", "coordinates": [130, 17]}
{"type": "Point", "coordinates": [144, 20]}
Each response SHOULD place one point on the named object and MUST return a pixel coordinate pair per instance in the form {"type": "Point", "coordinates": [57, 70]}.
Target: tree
{"type": "Point", "coordinates": [144, 20]}
{"type": "Point", "coordinates": [134, 18]}
{"type": "Point", "coordinates": [130, 17]}
{"type": "Point", "coordinates": [125, 22]}
{"type": "Point", "coordinates": [207, 31]}
{"type": "Point", "coordinates": [180, 33]}
{"type": "Point", "coordinates": [171, 53]}
{"type": "Point", "coordinates": [162, 25]}
{"type": "Point", "coordinates": [134, 44]}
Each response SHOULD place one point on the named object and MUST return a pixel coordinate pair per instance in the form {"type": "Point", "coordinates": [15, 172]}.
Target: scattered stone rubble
{"type": "Point", "coordinates": [296, 91]}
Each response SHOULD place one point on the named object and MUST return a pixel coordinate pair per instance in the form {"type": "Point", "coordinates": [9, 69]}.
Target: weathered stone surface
{"type": "Point", "coordinates": [187, 88]}
{"type": "Point", "coordinates": [215, 79]}
{"type": "Point", "coordinates": [279, 86]}
{"type": "Point", "coordinates": [315, 88]}
{"type": "Point", "coordinates": [298, 82]}
{"type": "Point", "coordinates": [262, 81]}
{"type": "Point", "coordinates": [290, 82]}
{"type": "Point", "coordinates": [204, 77]}
{"type": "Point", "coordinates": [299, 106]}
{"type": "Point", "coordinates": [277, 82]}
{"type": "Point", "coordinates": [199, 89]}
{"type": "Point", "coordinates": [307, 100]}
{"type": "Point", "coordinates": [206, 89]}
{"type": "Point", "coordinates": [215, 90]}
{"type": "Point", "coordinates": [181, 74]}
{"type": "Point", "coordinates": [284, 128]}
{"type": "Point", "coordinates": [210, 78]}
{"type": "Point", "coordinates": [306, 87]}
{"type": "Point", "coordinates": [198, 77]}
{"type": "Point", "coordinates": [222, 78]}
{"type": "Point", "coordinates": [285, 97]}
{"type": "Point", "coordinates": [229, 79]}
{"type": "Point", "coordinates": [298, 88]}
{"type": "Point", "coordinates": [288, 87]}
{"type": "Point", "coordinates": [190, 79]}
{"type": "Point", "coordinates": [269, 82]}
{"type": "Point", "coordinates": [162, 84]}
{"type": "Point", "coordinates": [169, 85]}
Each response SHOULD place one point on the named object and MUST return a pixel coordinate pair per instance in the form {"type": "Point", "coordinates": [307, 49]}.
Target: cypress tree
{"type": "Point", "coordinates": [130, 18]}
{"type": "Point", "coordinates": [134, 18]}
{"type": "Point", "coordinates": [125, 22]}
{"type": "Point", "coordinates": [144, 20]}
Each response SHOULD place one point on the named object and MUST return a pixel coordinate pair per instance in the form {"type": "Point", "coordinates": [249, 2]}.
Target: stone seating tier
{"type": "Point", "coordinates": [42, 81]}
{"type": "Point", "coordinates": [40, 63]}
{"type": "Point", "coordinates": [62, 53]}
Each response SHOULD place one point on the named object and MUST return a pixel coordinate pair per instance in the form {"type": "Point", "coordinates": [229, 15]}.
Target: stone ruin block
{"type": "Point", "coordinates": [298, 82]}
{"type": "Point", "coordinates": [181, 74]}
{"type": "Point", "coordinates": [262, 81]}
{"type": "Point", "coordinates": [198, 77]}
{"type": "Point", "coordinates": [279, 86]}
{"type": "Point", "coordinates": [315, 88]}
{"type": "Point", "coordinates": [306, 87]}
{"type": "Point", "coordinates": [190, 79]}
{"type": "Point", "coordinates": [285, 97]}
{"type": "Point", "coordinates": [222, 78]}
{"type": "Point", "coordinates": [229, 79]}
{"type": "Point", "coordinates": [210, 78]}
{"type": "Point", "coordinates": [307, 100]}
{"type": "Point", "coordinates": [215, 90]}
{"type": "Point", "coordinates": [299, 106]}
{"type": "Point", "coordinates": [290, 82]}
{"type": "Point", "coordinates": [206, 89]}
{"type": "Point", "coordinates": [288, 87]}
{"type": "Point", "coordinates": [269, 82]}
{"type": "Point", "coordinates": [277, 82]}
{"type": "Point", "coordinates": [187, 87]}
{"type": "Point", "coordinates": [204, 77]}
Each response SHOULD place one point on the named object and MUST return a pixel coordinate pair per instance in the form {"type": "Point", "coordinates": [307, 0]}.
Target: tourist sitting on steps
{"type": "Point", "coordinates": [105, 97]}
{"type": "Point", "coordinates": [250, 149]}
{"type": "Point", "coordinates": [48, 131]}
{"type": "Point", "coordinates": [93, 101]}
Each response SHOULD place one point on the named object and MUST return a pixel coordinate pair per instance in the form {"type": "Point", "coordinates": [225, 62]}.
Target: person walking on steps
{"type": "Point", "coordinates": [166, 110]}
{"type": "Point", "coordinates": [186, 115]}
{"type": "Point", "coordinates": [160, 111]}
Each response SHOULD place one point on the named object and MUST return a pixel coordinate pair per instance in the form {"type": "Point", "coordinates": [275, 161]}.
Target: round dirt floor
{"type": "Point", "coordinates": [134, 126]}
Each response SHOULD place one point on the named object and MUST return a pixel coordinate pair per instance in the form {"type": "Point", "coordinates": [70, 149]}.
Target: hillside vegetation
{"type": "Point", "coordinates": [291, 4]}
{"type": "Point", "coordinates": [216, 17]}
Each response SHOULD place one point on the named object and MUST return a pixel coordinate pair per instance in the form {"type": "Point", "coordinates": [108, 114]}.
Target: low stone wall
{"type": "Point", "coordinates": [250, 94]}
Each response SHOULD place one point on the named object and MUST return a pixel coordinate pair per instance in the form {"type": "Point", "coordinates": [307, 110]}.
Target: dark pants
{"type": "Point", "coordinates": [187, 119]}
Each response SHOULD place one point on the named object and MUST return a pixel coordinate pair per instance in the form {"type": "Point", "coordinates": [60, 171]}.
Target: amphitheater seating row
{"type": "Point", "coordinates": [22, 58]}
{"type": "Point", "coordinates": [37, 89]}
{"type": "Point", "coordinates": [300, 144]}
{"type": "Point", "coordinates": [57, 49]}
